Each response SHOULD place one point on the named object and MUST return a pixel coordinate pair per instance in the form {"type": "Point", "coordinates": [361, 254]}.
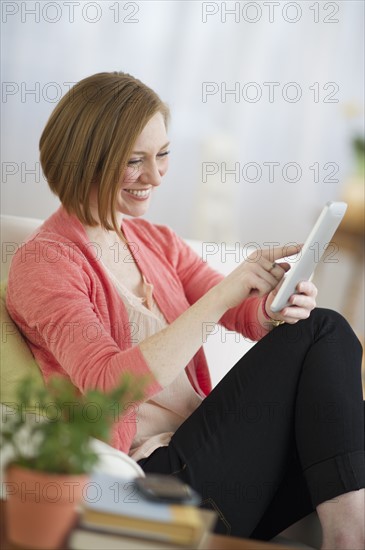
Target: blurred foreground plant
{"type": "Point", "coordinates": [57, 440]}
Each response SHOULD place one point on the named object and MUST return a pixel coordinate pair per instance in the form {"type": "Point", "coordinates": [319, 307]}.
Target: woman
{"type": "Point", "coordinates": [97, 295]}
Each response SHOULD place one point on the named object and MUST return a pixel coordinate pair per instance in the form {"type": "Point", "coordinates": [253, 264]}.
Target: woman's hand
{"type": "Point", "coordinates": [256, 276]}
{"type": "Point", "coordinates": [301, 304]}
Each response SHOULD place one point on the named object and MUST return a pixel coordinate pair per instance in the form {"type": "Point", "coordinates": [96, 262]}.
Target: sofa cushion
{"type": "Point", "coordinates": [17, 360]}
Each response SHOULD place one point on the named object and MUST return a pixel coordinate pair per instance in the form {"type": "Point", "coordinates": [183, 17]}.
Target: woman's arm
{"type": "Point", "coordinates": [171, 349]}
{"type": "Point", "coordinates": [51, 303]}
{"type": "Point", "coordinates": [198, 277]}
{"type": "Point", "coordinates": [248, 317]}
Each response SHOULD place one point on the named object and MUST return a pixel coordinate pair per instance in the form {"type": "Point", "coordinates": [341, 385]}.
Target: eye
{"type": "Point", "coordinates": [133, 162]}
{"type": "Point", "coordinates": [164, 154]}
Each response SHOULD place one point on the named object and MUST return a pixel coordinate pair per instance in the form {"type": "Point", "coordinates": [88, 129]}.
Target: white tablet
{"type": "Point", "coordinates": [311, 253]}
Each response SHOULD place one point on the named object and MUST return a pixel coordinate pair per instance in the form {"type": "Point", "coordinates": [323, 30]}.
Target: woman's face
{"type": "Point", "coordinates": [146, 166]}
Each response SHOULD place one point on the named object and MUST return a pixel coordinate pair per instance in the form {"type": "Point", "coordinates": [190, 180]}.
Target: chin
{"type": "Point", "coordinates": [133, 212]}
{"type": "Point", "coordinates": [137, 214]}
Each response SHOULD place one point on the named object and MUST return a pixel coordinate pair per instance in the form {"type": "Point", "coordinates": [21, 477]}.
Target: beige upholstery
{"type": "Point", "coordinates": [16, 358]}
{"type": "Point", "coordinates": [14, 231]}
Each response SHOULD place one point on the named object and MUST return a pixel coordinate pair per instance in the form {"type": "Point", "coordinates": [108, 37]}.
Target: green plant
{"type": "Point", "coordinates": [358, 145]}
{"type": "Point", "coordinates": [57, 440]}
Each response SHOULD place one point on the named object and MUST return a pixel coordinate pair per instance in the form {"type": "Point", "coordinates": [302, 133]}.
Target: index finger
{"type": "Point", "coordinates": [278, 252]}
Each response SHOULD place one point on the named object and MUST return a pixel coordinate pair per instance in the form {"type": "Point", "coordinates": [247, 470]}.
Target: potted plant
{"type": "Point", "coordinates": [52, 455]}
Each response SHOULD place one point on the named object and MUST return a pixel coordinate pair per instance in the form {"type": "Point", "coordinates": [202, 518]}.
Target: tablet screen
{"type": "Point", "coordinates": [311, 253]}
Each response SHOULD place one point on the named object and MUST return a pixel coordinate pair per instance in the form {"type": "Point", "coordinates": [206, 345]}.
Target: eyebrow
{"type": "Point", "coordinates": [144, 152]}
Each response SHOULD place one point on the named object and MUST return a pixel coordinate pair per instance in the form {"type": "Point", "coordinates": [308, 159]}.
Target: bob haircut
{"type": "Point", "coordinates": [89, 138]}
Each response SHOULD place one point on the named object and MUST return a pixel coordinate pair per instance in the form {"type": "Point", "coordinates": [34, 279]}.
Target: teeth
{"type": "Point", "coordinates": [142, 194]}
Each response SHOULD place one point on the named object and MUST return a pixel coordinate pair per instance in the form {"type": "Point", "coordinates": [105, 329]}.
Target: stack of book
{"type": "Point", "coordinates": [115, 517]}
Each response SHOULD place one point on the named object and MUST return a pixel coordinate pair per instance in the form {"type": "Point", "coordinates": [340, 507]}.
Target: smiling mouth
{"type": "Point", "coordinates": [140, 193]}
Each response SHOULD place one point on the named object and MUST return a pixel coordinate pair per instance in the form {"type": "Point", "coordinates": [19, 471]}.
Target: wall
{"type": "Point", "coordinates": [273, 90]}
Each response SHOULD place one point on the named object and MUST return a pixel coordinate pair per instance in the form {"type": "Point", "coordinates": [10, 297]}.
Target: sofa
{"type": "Point", "coordinates": [14, 351]}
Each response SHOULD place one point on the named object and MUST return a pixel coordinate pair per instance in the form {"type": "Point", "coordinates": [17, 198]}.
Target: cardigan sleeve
{"type": "Point", "coordinates": [54, 305]}
{"type": "Point", "coordinates": [197, 277]}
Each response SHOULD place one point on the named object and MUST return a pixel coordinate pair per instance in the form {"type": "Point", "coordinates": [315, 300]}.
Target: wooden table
{"type": "Point", "coordinates": [214, 542]}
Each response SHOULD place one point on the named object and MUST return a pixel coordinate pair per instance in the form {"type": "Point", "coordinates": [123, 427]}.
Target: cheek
{"type": "Point", "coordinates": [130, 175]}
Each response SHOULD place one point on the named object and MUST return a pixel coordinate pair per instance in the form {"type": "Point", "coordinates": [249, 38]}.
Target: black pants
{"type": "Point", "coordinates": [282, 432]}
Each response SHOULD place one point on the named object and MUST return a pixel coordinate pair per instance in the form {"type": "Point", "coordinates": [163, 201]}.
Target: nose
{"type": "Point", "coordinates": [151, 174]}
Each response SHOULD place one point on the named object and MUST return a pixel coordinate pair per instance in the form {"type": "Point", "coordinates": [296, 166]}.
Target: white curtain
{"type": "Point", "coordinates": [181, 48]}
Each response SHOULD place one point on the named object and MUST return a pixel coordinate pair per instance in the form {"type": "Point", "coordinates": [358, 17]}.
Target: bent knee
{"type": "Point", "coordinates": [337, 327]}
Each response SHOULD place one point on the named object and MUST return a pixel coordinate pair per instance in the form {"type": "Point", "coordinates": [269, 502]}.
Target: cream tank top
{"type": "Point", "coordinates": [159, 417]}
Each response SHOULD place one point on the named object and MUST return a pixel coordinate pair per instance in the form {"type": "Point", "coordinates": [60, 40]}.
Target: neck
{"type": "Point", "coordinates": [106, 234]}
{"type": "Point", "coordinates": [95, 214]}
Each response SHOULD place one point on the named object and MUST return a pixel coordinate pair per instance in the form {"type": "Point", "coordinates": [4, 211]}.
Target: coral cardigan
{"type": "Point", "coordinates": [74, 320]}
